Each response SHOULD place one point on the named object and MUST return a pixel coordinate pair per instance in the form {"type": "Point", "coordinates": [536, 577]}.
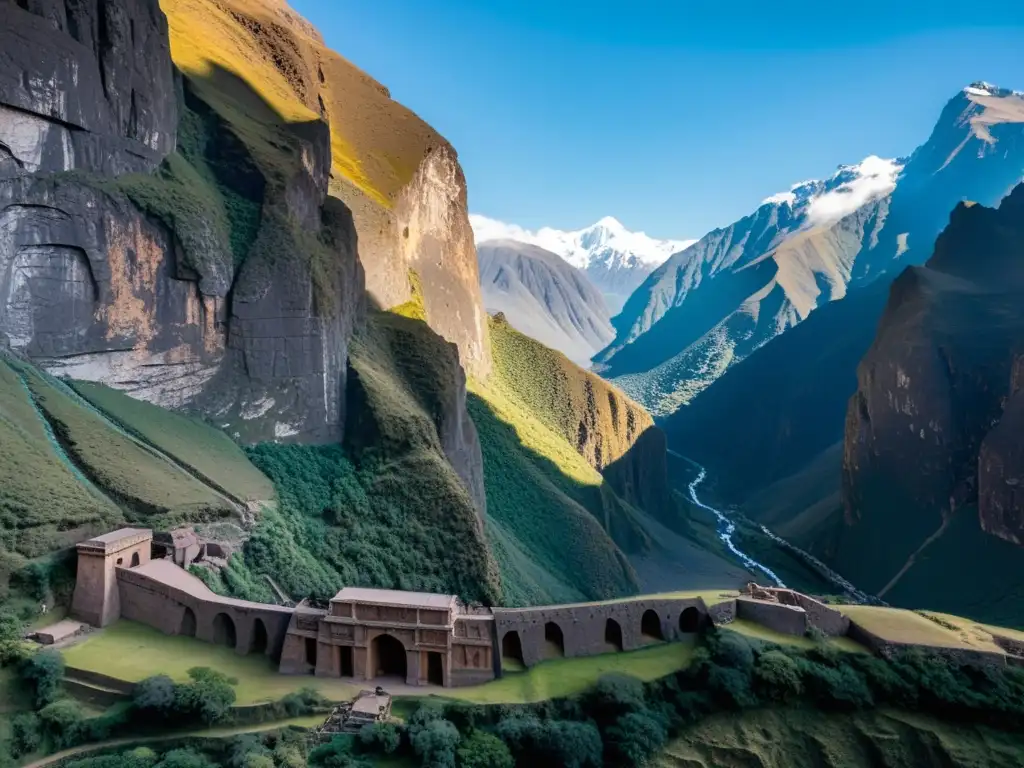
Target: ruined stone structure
{"type": "Point", "coordinates": [789, 612]}
{"type": "Point", "coordinates": [367, 633]}
{"type": "Point", "coordinates": [97, 598]}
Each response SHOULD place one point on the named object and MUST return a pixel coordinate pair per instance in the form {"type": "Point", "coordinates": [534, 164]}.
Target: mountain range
{"type": "Point", "coordinates": [713, 304]}
{"type": "Point", "coordinates": [615, 259]}
{"type": "Point", "coordinates": [545, 297]}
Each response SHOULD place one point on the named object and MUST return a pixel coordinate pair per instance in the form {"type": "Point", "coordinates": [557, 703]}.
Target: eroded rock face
{"type": "Point", "coordinates": [936, 422]}
{"type": "Point", "coordinates": [89, 288]}
{"type": "Point", "coordinates": [84, 84]}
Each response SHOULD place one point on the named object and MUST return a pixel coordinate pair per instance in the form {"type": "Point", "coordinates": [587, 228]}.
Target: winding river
{"type": "Point", "coordinates": [726, 527]}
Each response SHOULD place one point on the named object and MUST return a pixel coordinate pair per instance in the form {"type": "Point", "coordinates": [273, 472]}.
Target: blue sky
{"type": "Point", "coordinates": [674, 117]}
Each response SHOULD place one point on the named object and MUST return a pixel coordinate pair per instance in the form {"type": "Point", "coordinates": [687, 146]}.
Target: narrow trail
{"type": "Point", "coordinates": [913, 557]}
{"type": "Point", "coordinates": [213, 733]}
{"type": "Point", "coordinates": [726, 527]}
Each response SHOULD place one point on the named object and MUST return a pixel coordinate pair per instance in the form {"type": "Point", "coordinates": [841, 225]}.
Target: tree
{"type": "Point", "coordinates": [777, 676]}
{"type": "Point", "coordinates": [484, 750]}
{"type": "Point", "coordinates": [25, 734]}
{"type": "Point", "coordinates": [63, 722]}
{"type": "Point", "coordinates": [336, 754]}
{"type": "Point", "coordinates": [435, 744]}
{"type": "Point", "coordinates": [183, 758]}
{"type": "Point", "coordinates": [11, 649]}
{"type": "Point", "coordinates": [635, 738]}
{"type": "Point", "coordinates": [380, 737]}
{"type": "Point", "coordinates": [208, 697]}
{"type": "Point", "coordinates": [155, 694]}
{"type": "Point", "coordinates": [43, 672]}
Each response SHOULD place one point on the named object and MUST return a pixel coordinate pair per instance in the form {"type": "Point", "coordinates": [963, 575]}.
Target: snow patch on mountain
{"type": "Point", "coordinates": [606, 241]}
{"type": "Point", "coordinates": [849, 188]}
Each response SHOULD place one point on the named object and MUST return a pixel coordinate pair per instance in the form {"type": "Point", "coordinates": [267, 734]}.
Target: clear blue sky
{"type": "Point", "coordinates": [673, 116]}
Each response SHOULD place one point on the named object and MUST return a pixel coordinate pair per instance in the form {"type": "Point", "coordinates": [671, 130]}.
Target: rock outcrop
{"type": "Point", "coordinates": [934, 430]}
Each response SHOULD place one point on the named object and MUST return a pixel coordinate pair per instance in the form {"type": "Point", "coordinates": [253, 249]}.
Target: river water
{"type": "Point", "coordinates": [726, 528]}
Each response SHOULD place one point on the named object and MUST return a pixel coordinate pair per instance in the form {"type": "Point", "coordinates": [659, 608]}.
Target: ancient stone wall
{"type": "Point", "coordinates": [888, 649]}
{"type": "Point", "coordinates": [588, 629]}
{"type": "Point", "coordinates": [822, 617]}
{"type": "Point", "coordinates": [787, 619]}
{"type": "Point", "coordinates": [213, 619]}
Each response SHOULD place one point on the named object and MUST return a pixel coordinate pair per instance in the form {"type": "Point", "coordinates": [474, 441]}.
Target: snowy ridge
{"type": "Point", "coordinates": [607, 241]}
{"type": "Point", "coordinates": [981, 88]}
{"type": "Point", "coordinates": [849, 188]}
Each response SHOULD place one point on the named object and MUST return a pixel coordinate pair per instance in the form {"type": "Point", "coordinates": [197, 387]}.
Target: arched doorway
{"type": "Point", "coordinates": [613, 634]}
{"type": "Point", "coordinates": [689, 620]}
{"type": "Point", "coordinates": [512, 649]}
{"type": "Point", "coordinates": [258, 640]}
{"type": "Point", "coordinates": [389, 657]}
{"type": "Point", "coordinates": [224, 630]}
{"type": "Point", "coordinates": [135, 559]}
{"type": "Point", "coordinates": [188, 623]}
{"type": "Point", "coordinates": [554, 640]}
{"type": "Point", "coordinates": [650, 625]}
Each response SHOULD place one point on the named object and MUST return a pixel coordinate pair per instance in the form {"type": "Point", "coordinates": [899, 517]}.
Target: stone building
{"type": "Point", "coordinates": [97, 598]}
{"type": "Point", "coordinates": [418, 637]}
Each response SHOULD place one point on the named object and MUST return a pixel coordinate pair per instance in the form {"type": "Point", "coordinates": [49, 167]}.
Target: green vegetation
{"type": "Point", "coordinates": [133, 652]}
{"type": "Point", "coordinates": [148, 487]}
{"type": "Point", "coordinates": [541, 491]}
{"type": "Point", "coordinates": [901, 626]}
{"type": "Point", "coordinates": [44, 503]}
{"type": "Point", "coordinates": [801, 738]}
{"type": "Point", "coordinates": [388, 509]}
{"type": "Point", "coordinates": [205, 450]}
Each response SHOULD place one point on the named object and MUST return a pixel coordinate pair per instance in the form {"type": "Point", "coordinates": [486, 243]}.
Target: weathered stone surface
{"type": "Point", "coordinates": [89, 288]}
{"type": "Point", "coordinates": [84, 84]}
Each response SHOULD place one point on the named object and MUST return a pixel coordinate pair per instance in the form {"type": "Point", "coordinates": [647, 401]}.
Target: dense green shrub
{"type": "Point", "coordinates": [484, 750]}
{"type": "Point", "coordinates": [435, 743]}
{"type": "Point", "coordinates": [777, 677]}
{"type": "Point", "coordinates": [634, 738]}
{"type": "Point", "coordinates": [337, 753]}
{"type": "Point", "coordinates": [43, 672]}
{"type": "Point", "coordinates": [380, 737]}
{"type": "Point", "coordinates": [63, 722]}
{"type": "Point", "coordinates": [26, 734]}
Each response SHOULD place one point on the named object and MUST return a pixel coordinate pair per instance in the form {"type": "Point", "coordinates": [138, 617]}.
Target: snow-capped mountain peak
{"type": "Point", "coordinates": [614, 258]}
{"type": "Point", "coordinates": [607, 238]}
{"type": "Point", "coordinates": [849, 188]}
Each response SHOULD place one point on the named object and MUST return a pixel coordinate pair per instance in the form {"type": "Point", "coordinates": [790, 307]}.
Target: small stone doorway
{"type": "Point", "coordinates": [389, 657]}
{"type": "Point", "coordinates": [435, 668]}
{"type": "Point", "coordinates": [346, 667]}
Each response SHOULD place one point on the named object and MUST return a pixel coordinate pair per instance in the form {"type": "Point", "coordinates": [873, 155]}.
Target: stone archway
{"type": "Point", "coordinates": [613, 635]}
{"type": "Point", "coordinates": [554, 640]}
{"type": "Point", "coordinates": [689, 620]}
{"type": "Point", "coordinates": [512, 647]}
{"type": "Point", "coordinates": [224, 630]}
{"type": "Point", "coordinates": [135, 559]}
{"type": "Point", "coordinates": [187, 628]}
{"type": "Point", "coordinates": [650, 625]}
{"type": "Point", "coordinates": [389, 657]}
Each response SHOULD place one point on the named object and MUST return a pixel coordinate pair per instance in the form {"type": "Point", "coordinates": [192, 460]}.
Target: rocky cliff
{"type": "Point", "coordinates": [933, 432]}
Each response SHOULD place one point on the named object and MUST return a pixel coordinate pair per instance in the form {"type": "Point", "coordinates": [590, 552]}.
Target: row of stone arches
{"type": "Point", "coordinates": [651, 629]}
{"type": "Point", "coordinates": [225, 632]}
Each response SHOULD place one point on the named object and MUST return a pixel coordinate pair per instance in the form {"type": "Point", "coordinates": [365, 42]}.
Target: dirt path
{"type": "Point", "coordinates": [210, 733]}
{"type": "Point", "coordinates": [913, 557]}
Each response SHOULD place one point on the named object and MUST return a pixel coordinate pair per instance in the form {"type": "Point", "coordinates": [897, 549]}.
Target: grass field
{"type": "Point", "coordinates": [130, 651]}
{"type": "Point", "coordinates": [902, 626]}
{"type": "Point", "coordinates": [139, 479]}
{"type": "Point", "coordinates": [564, 677]}
{"type": "Point", "coordinates": [206, 450]}
{"type": "Point", "coordinates": [759, 632]}
{"type": "Point", "coordinates": [799, 738]}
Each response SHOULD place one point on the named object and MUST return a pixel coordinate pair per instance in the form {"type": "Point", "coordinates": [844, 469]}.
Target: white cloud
{"type": "Point", "coordinates": [874, 178]}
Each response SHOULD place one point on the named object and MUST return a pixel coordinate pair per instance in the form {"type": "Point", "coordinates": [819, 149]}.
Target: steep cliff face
{"type": "Point", "coordinates": [398, 176]}
{"type": "Point", "coordinates": [933, 431]}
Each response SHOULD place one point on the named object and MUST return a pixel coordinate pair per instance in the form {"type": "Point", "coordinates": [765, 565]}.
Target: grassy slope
{"type": "Point", "coordinates": [150, 487]}
{"type": "Point", "coordinates": [796, 738]}
{"type": "Point", "coordinates": [204, 449]}
{"type": "Point", "coordinates": [40, 495]}
{"type": "Point", "coordinates": [547, 507]}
